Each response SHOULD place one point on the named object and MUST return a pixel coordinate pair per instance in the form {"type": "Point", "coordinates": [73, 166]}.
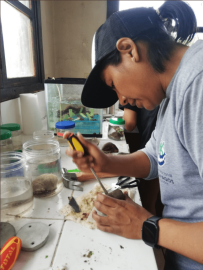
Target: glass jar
{"type": "Point", "coordinates": [6, 141]}
{"type": "Point", "coordinates": [16, 135]}
{"type": "Point", "coordinates": [16, 185]}
{"type": "Point", "coordinates": [116, 129]}
{"type": "Point", "coordinates": [43, 135]}
{"type": "Point", "coordinates": [44, 161]}
{"type": "Point", "coordinates": [61, 128]}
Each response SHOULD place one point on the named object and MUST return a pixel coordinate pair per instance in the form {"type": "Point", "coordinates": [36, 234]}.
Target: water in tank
{"type": "Point", "coordinates": [63, 102]}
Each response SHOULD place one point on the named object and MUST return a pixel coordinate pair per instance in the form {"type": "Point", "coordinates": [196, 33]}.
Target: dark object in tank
{"type": "Point", "coordinates": [75, 110]}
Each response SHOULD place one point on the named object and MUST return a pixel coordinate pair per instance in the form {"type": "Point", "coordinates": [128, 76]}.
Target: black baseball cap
{"type": "Point", "coordinates": [127, 23]}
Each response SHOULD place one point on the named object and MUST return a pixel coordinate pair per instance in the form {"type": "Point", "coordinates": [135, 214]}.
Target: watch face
{"type": "Point", "coordinates": [149, 233]}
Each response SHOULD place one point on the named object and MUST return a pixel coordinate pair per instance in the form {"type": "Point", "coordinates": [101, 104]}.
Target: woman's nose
{"type": "Point", "coordinates": [123, 100]}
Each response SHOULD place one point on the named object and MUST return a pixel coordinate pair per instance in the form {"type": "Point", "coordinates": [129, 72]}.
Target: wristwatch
{"type": "Point", "coordinates": [150, 231]}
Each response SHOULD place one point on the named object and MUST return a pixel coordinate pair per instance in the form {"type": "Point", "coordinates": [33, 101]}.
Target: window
{"type": "Point", "coordinates": [22, 69]}
{"type": "Point", "coordinates": [197, 6]}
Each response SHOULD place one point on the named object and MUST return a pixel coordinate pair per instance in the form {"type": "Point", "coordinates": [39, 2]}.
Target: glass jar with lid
{"type": "Point", "coordinates": [116, 129]}
{"type": "Point", "coordinates": [16, 186]}
{"type": "Point", "coordinates": [44, 161]}
{"type": "Point", "coordinates": [6, 141]}
{"type": "Point", "coordinates": [61, 128]}
{"type": "Point", "coordinates": [16, 135]}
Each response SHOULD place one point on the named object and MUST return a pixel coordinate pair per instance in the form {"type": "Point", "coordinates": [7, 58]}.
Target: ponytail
{"type": "Point", "coordinates": [184, 17]}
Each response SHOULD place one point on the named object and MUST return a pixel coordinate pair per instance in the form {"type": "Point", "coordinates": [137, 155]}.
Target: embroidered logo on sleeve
{"type": "Point", "coordinates": [162, 154]}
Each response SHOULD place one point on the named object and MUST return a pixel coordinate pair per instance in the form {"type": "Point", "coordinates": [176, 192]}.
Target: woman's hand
{"type": "Point", "coordinates": [95, 159]}
{"type": "Point", "coordinates": [124, 218]}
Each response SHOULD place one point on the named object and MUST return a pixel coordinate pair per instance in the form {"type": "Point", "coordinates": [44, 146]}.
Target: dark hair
{"type": "Point", "coordinates": [160, 41]}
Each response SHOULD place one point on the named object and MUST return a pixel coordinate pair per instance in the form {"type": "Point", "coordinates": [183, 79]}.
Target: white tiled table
{"type": "Point", "coordinates": [68, 241]}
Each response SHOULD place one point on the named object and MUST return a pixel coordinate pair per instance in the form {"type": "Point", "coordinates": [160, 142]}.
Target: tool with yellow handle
{"type": "Point", "coordinates": [75, 144]}
{"type": "Point", "coordinates": [9, 252]}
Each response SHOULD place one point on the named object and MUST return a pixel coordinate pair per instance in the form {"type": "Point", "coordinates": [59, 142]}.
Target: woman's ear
{"type": "Point", "coordinates": [126, 45]}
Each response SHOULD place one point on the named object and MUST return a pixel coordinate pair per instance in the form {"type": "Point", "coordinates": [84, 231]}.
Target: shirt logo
{"type": "Point", "coordinates": [162, 154]}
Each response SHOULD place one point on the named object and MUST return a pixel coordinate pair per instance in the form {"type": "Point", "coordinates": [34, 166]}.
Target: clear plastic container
{"type": "Point", "coordinates": [44, 161]}
{"type": "Point", "coordinates": [16, 135]}
{"type": "Point", "coordinates": [16, 185]}
{"type": "Point", "coordinates": [61, 128]}
{"type": "Point", "coordinates": [43, 135]}
{"type": "Point", "coordinates": [6, 141]}
{"type": "Point", "coordinates": [116, 129]}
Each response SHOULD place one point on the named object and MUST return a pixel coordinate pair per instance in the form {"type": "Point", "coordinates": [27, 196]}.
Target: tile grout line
{"type": "Point", "coordinates": [18, 217]}
{"type": "Point", "coordinates": [57, 243]}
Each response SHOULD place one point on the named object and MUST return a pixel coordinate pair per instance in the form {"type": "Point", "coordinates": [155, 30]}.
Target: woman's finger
{"type": "Point", "coordinates": [67, 134]}
{"type": "Point", "coordinates": [104, 228]}
{"type": "Point", "coordinates": [72, 153]}
{"type": "Point", "coordinates": [101, 219]}
{"type": "Point", "coordinates": [109, 211]}
{"type": "Point", "coordinates": [113, 217]}
{"type": "Point", "coordinates": [83, 161]}
{"type": "Point", "coordinates": [83, 141]}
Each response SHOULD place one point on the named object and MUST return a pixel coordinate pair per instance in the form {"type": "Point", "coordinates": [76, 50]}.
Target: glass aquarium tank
{"type": "Point", "coordinates": [63, 102]}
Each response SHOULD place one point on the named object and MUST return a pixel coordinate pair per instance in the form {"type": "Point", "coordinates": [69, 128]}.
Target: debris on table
{"type": "Point", "coordinates": [63, 267]}
{"type": "Point", "coordinates": [86, 204]}
{"type": "Point", "coordinates": [89, 254]}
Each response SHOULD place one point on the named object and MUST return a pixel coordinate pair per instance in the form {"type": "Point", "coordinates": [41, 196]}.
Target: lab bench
{"type": "Point", "coordinates": [69, 242]}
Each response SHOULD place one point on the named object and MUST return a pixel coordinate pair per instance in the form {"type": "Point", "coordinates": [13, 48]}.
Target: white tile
{"type": "Point", "coordinates": [109, 251]}
{"type": "Point", "coordinates": [37, 260]}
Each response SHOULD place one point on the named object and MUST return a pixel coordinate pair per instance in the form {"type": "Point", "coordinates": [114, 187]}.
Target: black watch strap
{"type": "Point", "coordinates": [154, 219]}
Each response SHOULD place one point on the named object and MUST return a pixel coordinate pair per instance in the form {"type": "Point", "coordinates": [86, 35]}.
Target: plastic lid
{"type": "Point", "coordinates": [117, 121]}
{"type": "Point", "coordinates": [5, 134]}
{"type": "Point", "coordinates": [65, 124]}
{"type": "Point", "coordinates": [10, 126]}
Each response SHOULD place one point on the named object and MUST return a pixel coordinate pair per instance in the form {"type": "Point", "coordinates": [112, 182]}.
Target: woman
{"type": "Point", "coordinates": [139, 62]}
